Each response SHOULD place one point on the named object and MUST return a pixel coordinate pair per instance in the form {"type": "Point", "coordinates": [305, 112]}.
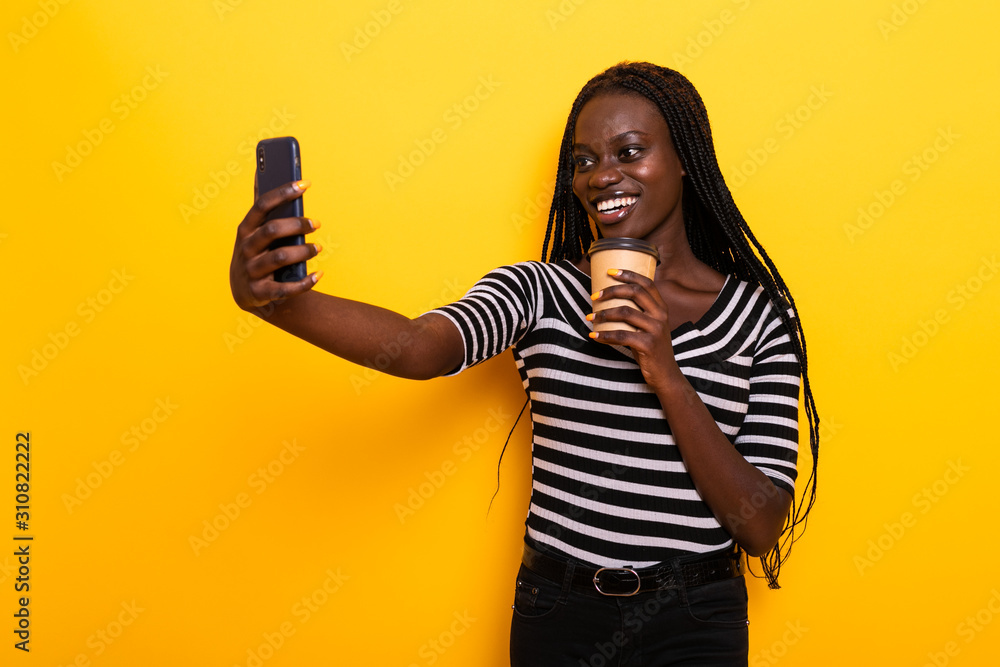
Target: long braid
{"type": "Point", "coordinates": [716, 230]}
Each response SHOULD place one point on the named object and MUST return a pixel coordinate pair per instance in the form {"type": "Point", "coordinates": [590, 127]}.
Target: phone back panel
{"type": "Point", "coordinates": [278, 162]}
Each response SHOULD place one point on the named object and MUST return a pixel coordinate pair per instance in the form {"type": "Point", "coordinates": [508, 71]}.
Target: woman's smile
{"type": "Point", "coordinates": [613, 208]}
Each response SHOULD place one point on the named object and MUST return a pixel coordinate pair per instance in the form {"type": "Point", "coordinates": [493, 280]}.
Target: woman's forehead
{"type": "Point", "coordinates": [610, 114]}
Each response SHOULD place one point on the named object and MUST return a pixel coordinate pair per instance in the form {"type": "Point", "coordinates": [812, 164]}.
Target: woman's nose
{"type": "Point", "coordinates": [604, 174]}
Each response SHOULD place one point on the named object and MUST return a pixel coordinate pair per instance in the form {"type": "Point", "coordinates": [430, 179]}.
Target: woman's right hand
{"type": "Point", "coordinates": [251, 272]}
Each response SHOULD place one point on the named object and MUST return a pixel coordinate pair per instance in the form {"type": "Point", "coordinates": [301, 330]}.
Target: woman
{"type": "Point", "coordinates": [659, 453]}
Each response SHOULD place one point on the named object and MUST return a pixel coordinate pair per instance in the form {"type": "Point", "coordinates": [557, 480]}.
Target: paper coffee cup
{"type": "Point", "coordinates": [621, 253]}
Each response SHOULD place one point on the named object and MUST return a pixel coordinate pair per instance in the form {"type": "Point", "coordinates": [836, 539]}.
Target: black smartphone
{"type": "Point", "coordinates": [279, 162]}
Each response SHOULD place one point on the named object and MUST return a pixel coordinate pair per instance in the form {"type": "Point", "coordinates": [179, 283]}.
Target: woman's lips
{"type": "Point", "coordinates": [612, 210]}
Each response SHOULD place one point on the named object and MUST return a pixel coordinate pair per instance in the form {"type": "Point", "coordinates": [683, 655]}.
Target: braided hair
{"type": "Point", "coordinates": [716, 231]}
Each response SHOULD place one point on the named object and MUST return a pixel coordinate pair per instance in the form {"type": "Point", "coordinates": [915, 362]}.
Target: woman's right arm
{"type": "Point", "coordinates": [420, 348]}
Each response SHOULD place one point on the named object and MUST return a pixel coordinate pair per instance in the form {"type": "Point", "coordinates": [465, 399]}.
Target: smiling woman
{"type": "Point", "coordinates": [637, 124]}
{"type": "Point", "coordinates": [661, 452]}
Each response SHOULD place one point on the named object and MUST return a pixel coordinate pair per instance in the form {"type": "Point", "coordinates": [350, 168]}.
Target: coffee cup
{"type": "Point", "coordinates": [620, 253]}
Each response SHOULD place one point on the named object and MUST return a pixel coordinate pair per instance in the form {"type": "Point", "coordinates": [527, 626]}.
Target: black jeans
{"type": "Point", "coordinates": [554, 625]}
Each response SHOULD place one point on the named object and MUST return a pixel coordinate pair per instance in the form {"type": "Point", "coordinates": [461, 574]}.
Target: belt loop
{"type": "Point", "coordinates": [567, 582]}
{"type": "Point", "coordinates": [682, 596]}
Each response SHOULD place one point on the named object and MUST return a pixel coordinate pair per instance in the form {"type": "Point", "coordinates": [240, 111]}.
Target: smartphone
{"type": "Point", "coordinates": [279, 162]}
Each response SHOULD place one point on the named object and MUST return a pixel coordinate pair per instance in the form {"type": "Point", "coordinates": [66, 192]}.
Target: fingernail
{"type": "Point", "coordinates": [301, 185]}
{"type": "Point", "coordinates": [596, 295]}
{"type": "Point", "coordinates": [593, 334]}
{"type": "Point", "coordinates": [614, 272]}
{"type": "Point", "coordinates": [317, 276]}
{"type": "Point", "coordinates": [590, 317]}
{"type": "Point", "coordinates": [315, 224]}
{"type": "Point", "coordinates": [318, 247]}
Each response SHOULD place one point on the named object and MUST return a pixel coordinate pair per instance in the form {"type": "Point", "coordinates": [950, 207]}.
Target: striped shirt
{"type": "Point", "coordinates": [609, 487]}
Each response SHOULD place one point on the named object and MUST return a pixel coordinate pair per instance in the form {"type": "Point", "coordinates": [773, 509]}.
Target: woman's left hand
{"type": "Point", "coordinates": [650, 343]}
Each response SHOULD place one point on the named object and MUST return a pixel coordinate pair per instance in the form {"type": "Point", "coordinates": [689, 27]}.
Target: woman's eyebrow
{"type": "Point", "coordinates": [617, 137]}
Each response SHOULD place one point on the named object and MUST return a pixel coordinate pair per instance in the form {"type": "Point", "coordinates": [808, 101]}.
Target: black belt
{"type": "Point", "coordinates": [625, 581]}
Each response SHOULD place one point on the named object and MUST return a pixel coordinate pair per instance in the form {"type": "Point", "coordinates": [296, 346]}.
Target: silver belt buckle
{"type": "Point", "coordinates": [597, 581]}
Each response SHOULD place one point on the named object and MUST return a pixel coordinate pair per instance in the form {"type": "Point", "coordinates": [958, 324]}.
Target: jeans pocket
{"type": "Point", "coordinates": [535, 596]}
{"type": "Point", "coordinates": [722, 603]}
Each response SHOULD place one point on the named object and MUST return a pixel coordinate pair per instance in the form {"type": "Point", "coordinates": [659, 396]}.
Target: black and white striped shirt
{"type": "Point", "coordinates": [609, 487]}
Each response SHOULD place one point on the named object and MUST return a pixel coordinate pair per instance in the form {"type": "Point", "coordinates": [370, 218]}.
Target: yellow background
{"type": "Point", "coordinates": [869, 86]}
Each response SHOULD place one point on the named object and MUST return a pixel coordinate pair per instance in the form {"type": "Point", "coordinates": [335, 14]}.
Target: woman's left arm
{"type": "Point", "coordinates": [742, 498]}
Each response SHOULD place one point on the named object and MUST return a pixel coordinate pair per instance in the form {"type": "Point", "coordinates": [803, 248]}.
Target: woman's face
{"type": "Point", "coordinates": [627, 174]}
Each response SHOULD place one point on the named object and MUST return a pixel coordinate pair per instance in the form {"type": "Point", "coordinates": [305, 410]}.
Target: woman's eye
{"type": "Point", "coordinates": [630, 152]}
{"type": "Point", "coordinates": [582, 162]}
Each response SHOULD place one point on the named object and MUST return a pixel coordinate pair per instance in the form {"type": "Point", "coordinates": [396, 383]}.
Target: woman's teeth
{"type": "Point", "coordinates": [609, 205]}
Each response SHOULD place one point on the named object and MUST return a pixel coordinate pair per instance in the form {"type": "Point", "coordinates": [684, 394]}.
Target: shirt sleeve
{"type": "Point", "coordinates": [769, 436]}
{"type": "Point", "coordinates": [495, 313]}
